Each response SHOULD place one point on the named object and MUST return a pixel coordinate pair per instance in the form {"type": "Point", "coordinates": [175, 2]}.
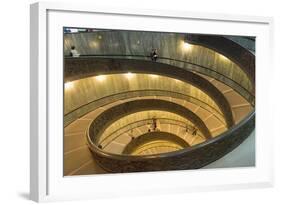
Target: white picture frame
{"type": "Point", "coordinates": [46, 179]}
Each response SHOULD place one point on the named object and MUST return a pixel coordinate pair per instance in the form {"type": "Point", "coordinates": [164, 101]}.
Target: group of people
{"type": "Point", "coordinates": [153, 126]}
{"type": "Point", "coordinates": [193, 130]}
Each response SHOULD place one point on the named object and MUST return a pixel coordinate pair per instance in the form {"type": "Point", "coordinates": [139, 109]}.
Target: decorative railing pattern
{"type": "Point", "coordinates": [105, 141]}
{"type": "Point", "coordinates": [82, 110]}
{"type": "Point", "coordinates": [189, 158]}
{"type": "Point", "coordinates": [246, 92]}
{"type": "Point", "coordinates": [100, 123]}
{"type": "Point", "coordinates": [84, 67]}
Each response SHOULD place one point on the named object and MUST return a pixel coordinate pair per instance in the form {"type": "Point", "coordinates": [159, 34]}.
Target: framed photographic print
{"type": "Point", "coordinates": [123, 98]}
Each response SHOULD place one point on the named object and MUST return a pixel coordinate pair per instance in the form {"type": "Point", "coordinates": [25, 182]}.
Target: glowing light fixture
{"type": "Point", "coordinates": [129, 75]}
{"type": "Point", "coordinates": [93, 44]}
{"type": "Point", "coordinates": [187, 46]}
{"type": "Point", "coordinates": [186, 43]}
{"type": "Point", "coordinates": [100, 37]}
{"type": "Point", "coordinates": [153, 76]}
{"type": "Point", "coordinates": [68, 85]}
{"type": "Point", "coordinates": [100, 78]}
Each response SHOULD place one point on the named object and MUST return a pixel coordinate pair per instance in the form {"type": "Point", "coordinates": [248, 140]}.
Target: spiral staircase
{"type": "Point", "coordinates": [126, 113]}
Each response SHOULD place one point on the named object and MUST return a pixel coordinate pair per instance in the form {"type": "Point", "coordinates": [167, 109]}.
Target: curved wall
{"type": "Point", "coordinates": [245, 42]}
{"type": "Point", "coordinates": [80, 92]}
{"type": "Point", "coordinates": [83, 67]}
{"type": "Point", "coordinates": [190, 158]}
{"type": "Point", "coordinates": [106, 118]}
{"type": "Point", "coordinates": [139, 145]}
{"type": "Point", "coordinates": [235, 52]}
{"type": "Point", "coordinates": [141, 116]}
{"type": "Point", "coordinates": [243, 156]}
{"type": "Point", "coordinates": [98, 47]}
{"type": "Point", "coordinates": [169, 45]}
{"type": "Point", "coordinates": [124, 136]}
{"type": "Point", "coordinates": [120, 133]}
{"type": "Point", "coordinates": [159, 147]}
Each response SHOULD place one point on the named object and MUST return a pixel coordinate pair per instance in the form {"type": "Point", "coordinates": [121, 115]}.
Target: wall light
{"type": "Point", "coordinates": [93, 44]}
{"type": "Point", "coordinates": [100, 78]}
{"type": "Point", "coordinates": [129, 75]}
{"type": "Point", "coordinates": [154, 76]}
{"type": "Point", "coordinates": [68, 85]}
{"type": "Point", "coordinates": [186, 45]}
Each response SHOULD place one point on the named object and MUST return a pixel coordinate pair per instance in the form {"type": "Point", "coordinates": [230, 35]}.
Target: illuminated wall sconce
{"type": "Point", "coordinates": [100, 78]}
{"type": "Point", "coordinates": [186, 44]}
{"type": "Point", "coordinates": [130, 75]}
{"type": "Point", "coordinates": [68, 85]}
{"type": "Point", "coordinates": [94, 44]}
{"type": "Point", "coordinates": [153, 76]}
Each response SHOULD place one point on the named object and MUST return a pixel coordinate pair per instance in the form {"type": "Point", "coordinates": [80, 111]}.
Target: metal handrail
{"type": "Point", "coordinates": [170, 59]}
{"type": "Point", "coordinates": [232, 130]}
{"type": "Point", "coordinates": [143, 122]}
{"type": "Point", "coordinates": [217, 114]}
{"type": "Point", "coordinates": [188, 158]}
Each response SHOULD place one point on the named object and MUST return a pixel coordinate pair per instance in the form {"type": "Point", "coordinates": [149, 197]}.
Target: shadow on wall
{"type": "Point", "coordinates": [24, 195]}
